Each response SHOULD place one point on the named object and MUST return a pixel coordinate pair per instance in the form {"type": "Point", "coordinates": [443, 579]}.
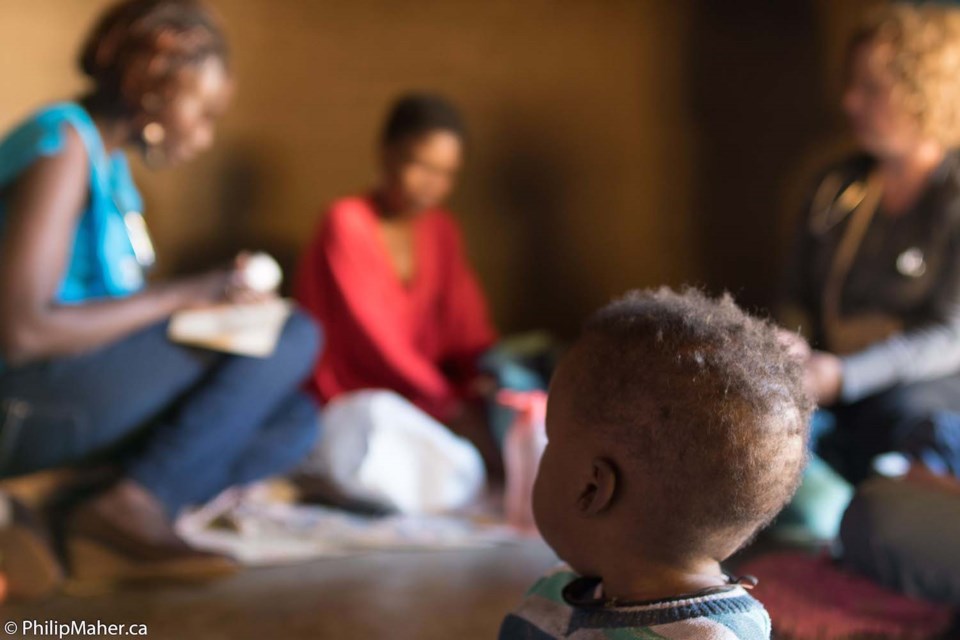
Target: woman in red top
{"type": "Point", "coordinates": [387, 276]}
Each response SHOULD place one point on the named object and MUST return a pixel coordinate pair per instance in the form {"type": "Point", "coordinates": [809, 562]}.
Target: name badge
{"type": "Point", "coordinates": [911, 263]}
{"type": "Point", "coordinates": [140, 238]}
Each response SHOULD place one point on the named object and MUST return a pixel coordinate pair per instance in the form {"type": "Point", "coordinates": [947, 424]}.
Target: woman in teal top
{"type": "Point", "coordinates": [102, 261]}
{"type": "Point", "coordinates": [86, 370]}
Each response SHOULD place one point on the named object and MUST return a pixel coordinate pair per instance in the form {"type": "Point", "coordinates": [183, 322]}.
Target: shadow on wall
{"type": "Point", "coordinates": [540, 276]}
{"type": "Point", "coordinates": [236, 201]}
{"type": "Point", "coordinates": [756, 92]}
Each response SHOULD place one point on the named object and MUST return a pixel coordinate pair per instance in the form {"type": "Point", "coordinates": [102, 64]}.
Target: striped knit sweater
{"type": "Point", "coordinates": [563, 605]}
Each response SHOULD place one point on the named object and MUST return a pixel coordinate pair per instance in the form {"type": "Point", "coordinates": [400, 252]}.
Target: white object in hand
{"type": "Point", "coordinates": [262, 273]}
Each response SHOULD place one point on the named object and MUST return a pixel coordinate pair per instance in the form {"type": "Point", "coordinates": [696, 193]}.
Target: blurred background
{"type": "Point", "coordinates": [614, 143]}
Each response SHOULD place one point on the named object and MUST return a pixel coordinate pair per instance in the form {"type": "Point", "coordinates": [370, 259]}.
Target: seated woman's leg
{"type": "Point", "coordinates": [281, 443]}
{"type": "Point", "coordinates": [70, 410]}
{"type": "Point", "coordinates": [125, 533]}
{"type": "Point", "coordinates": [285, 440]}
{"type": "Point", "coordinates": [934, 441]}
{"type": "Point", "coordinates": [907, 537]}
{"type": "Point", "coordinates": [224, 406]}
{"type": "Point", "coordinates": [193, 456]}
{"type": "Point", "coordinates": [882, 422]}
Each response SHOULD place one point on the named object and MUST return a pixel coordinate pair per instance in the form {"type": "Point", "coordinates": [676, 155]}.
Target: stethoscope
{"type": "Point", "coordinates": [833, 202]}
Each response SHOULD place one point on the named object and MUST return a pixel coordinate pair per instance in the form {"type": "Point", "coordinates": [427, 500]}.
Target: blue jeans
{"type": "Point", "coordinates": [921, 420]}
{"type": "Point", "coordinates": [185, 423]}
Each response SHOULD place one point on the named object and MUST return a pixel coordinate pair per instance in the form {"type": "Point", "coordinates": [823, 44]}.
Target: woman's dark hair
{"type": "Point", "coordinates": [139, 45]}
{"type": "Point", "coordinates": [415, 114]}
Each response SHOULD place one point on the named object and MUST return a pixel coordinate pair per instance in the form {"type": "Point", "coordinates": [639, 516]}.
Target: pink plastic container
{"type": "Point", "coordinates": [522, 449]}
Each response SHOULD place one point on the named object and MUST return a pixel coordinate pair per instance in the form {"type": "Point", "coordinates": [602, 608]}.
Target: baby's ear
{"type": "Point", "coordinates": [597, 494]}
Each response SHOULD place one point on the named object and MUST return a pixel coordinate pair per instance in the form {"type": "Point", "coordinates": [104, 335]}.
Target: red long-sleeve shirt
{"type": "Point", "coordinates": [383, 333]}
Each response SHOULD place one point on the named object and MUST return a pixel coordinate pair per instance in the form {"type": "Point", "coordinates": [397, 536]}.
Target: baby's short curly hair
{"type": "Point", "coordinates": [924, 44]}
{"type": "Point", "coordinates": [706, 405]}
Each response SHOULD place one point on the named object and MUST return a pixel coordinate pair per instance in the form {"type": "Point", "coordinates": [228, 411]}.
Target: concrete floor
{"type": "Point", "coordinates": [460, 595]}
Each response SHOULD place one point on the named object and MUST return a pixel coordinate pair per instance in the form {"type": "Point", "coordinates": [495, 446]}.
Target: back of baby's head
{"type": "Point", "coordinates": [706, 410]}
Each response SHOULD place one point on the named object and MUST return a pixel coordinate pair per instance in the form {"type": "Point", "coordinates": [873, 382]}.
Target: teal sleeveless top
{"type": "Point", "coordinates": [102, 262]}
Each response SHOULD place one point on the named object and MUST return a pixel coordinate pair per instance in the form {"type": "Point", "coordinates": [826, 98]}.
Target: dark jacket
{"type": "Point", "coordinates": [907, 267]}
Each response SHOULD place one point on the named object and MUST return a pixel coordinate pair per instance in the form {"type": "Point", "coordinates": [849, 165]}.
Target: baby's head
{"type": "Point", "coordinates": [677, 429]}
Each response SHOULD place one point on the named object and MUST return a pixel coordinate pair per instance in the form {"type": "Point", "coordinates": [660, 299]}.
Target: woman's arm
{"type": "Point", "coordinates": [42, 213]}
{"type": "Point", "coordinates": [926, 353]}
{"type": "Point", "coordinates": [921, 353]}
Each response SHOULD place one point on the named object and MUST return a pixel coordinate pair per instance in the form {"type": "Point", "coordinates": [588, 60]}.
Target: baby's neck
{"type": "Point", "coordinates": [642, 580]}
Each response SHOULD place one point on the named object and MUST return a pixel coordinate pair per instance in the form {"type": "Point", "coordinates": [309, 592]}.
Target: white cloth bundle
{"type": "Point", "coordinates": [377, 446]}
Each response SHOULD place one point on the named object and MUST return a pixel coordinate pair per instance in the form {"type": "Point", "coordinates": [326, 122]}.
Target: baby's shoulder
{"type": "Point", "coordinates": [543, 613]}
{"type": "Point", "coordinates": [552, 583]}
{"type": "Point", "coordinates": [563, 604]}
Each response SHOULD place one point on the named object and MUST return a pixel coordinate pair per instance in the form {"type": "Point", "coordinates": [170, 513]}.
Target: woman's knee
{"type": "Point", "coordinates": [906, 537]}
{"type": "Point", "coordinates": [300, 343]}
{"type": "Point", "coordinates": [308, 429]}
{"type": "Point", "coordinates": [298, 428]}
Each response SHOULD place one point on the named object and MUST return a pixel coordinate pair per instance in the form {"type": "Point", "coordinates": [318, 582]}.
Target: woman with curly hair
{"type": "Point", "coordinates": [877, 270]}
{"type": "Point", "coordinates": [876, 281]}
{"type": "Point", "coordinates": [86, 369]}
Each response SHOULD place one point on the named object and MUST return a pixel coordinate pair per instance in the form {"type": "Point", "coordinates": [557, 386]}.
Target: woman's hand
{"type": "Point", "coordinates": [204, 290]}
{"type": "Point", "coordinates": [222, 286]}
{"type": "Point", "coordinates": [239, 290]}
{"type": "Point", "coordinates": [483, 386]}
{"type": "Point", "coordinates": [824, 377]}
